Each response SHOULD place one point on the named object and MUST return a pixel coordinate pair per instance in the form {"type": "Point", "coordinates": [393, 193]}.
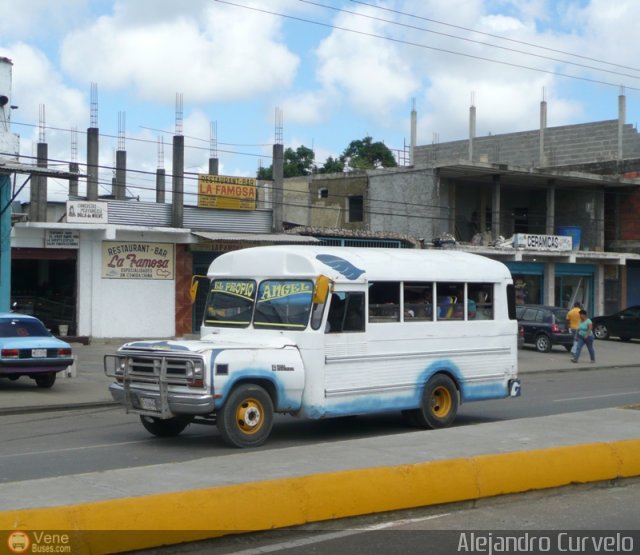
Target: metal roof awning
{"type": "Point", "coordinates": [10, 167]}
{"type": "Point", "coordinates": [280, 238]}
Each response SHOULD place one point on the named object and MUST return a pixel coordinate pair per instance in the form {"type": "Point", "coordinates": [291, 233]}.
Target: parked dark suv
{"type": "Point", "coordinates": [544, 326]}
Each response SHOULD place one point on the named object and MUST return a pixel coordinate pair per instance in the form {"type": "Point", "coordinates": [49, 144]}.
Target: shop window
{"type": "Point", "coordinates": [528, 289]}
{"type": "Point", "coordinates": [573, 289]}
{"type": "Point", "coordinates": [418, 302]}
{"type": "Point", "coordinates": [356, 209]}
{"type": "Point", "coordinates": [384, 301]}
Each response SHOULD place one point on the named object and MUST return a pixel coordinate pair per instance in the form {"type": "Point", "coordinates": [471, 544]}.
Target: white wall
{"type": "Point", "coordinates": [121, 307]}
{"type": "Point", "coordinates": [118, 308]}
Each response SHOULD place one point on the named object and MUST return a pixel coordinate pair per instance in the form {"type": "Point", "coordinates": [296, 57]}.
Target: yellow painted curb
{"type": "Point", "coordinates": [211, 512]}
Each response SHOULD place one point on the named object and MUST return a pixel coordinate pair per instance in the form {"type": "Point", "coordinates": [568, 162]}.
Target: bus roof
{"type": "Point", "coordinates": [349, 265]}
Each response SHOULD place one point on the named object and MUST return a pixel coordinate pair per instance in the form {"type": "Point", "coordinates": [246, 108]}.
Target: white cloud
{"type": "Point", "coordinates": [370, 72]}
{"type": "Point", "coordinates": [213, 53]}
{"type": "Point", "coordinates": [38, 18]}
{"type": "Point", "coordinates": [501, 107]}
{"type": "Point", "coordinates": [307, 107]}
{"type": "Point", "coordinates": [36, 82]}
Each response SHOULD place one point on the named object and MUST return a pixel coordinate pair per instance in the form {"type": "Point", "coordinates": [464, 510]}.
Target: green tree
{"type": "Point", "coordinates": [296, 163]}
{"type": "Point", "coordinates": [332, 165]}
{"type": "Point", "coordinates": [265, 173]}
{"type": "Point", "coordinates": [366, 155]}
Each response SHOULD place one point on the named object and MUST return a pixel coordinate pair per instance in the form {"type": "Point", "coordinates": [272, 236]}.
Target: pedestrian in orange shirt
{"type": "Point", "coordinates": [573, 318]}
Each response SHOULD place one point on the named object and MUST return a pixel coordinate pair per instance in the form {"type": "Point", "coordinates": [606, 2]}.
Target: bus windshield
{"type": "Point", "coordinates": [283, 304]}
{"type": "Point", "coordinates": [279, 304]}
{"type": "Point", "coordinates": [230, 303]}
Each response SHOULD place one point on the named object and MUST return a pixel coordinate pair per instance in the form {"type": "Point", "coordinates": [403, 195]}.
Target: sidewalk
{"type": "Point", "coordinates": [89, 387]}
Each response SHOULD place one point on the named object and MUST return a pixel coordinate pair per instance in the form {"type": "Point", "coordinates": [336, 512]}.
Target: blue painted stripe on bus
{"type": "Point", "coordinates": [367, 404]}
{"type": "Point", "coordinates": [284, 401]}
{"type": "Point", "coordinates": [485, 391]}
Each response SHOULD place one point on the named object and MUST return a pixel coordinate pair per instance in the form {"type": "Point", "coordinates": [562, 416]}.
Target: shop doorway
{"type": "Point", "coordinates": [44, 284]}
{"type": "Point", "coordinates": [571, 289]}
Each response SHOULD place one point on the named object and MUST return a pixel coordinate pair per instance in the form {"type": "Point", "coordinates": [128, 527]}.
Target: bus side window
{"type": "Point", "coordinates": [354, 312]}
{"type": "Point", "coordinates": [450, 301]}
{"type": "Point", "coordinates": [384, 301]}
{"type": "Point", "coordinates": [346, 313]}
{"type": "Point", "coordinates": [482, 295]}
{"type": "Point", "coordinates": [418, 301]}
{"type": "Point", "coordinates": [336, 313]}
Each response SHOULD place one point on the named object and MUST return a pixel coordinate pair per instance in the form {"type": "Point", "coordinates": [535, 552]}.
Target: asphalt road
{"type": "Point", "coordinates": [40, 445]}
{"type": "Point", "coordinates": [575, 519]}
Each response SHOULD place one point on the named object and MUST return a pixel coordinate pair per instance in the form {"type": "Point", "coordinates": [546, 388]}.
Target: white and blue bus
{"type": "Point", "coordinates": [320, 332]}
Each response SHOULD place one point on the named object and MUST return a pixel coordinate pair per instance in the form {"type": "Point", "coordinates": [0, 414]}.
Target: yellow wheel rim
{"type": "Point", "coordinates": [250, 416]}
{"type": "Point", "coordinates": [441, 402]}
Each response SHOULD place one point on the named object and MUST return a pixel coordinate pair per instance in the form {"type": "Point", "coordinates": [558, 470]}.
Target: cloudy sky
{"type": "Point", "coordinates": [339, 69]}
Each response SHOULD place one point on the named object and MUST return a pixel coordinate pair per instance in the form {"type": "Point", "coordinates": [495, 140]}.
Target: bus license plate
{"type": "Point", "coordinates": [148, 404]}
{"type": "Point", "coordinates": [38, 353]}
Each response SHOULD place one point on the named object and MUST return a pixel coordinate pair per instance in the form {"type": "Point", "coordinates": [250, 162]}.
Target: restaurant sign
{"type": "Point", "coordinates": [137, 260]}
{"type": "Point", "coordinates": [533, 242]}
{"type": "Point", "coordinates": [226, 192]}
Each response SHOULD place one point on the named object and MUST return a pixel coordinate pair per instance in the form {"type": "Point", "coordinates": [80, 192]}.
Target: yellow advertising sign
{"type": "Point", "coordinates": [227, 192]}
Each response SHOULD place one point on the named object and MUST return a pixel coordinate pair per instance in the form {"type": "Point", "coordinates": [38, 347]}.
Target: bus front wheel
{"type": "Point", "coordinates": [439, 404]}
{"type": "Point", "coordinates": [247, 417]}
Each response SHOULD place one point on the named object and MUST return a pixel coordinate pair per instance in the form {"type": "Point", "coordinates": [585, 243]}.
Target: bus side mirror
{"type": "Point", "coordinates": [193, 290]}
{"type": "Point", "coordinates": [321, 291]}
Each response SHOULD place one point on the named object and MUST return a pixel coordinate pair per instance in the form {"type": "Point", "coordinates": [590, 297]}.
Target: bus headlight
{"type": "Point", "coordinates": [120, 367]}
{"type": "Point", "coordinates": [195, 374]}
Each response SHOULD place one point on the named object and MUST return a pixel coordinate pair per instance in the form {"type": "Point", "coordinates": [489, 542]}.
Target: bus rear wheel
{"type": "Point", "coordinates": [246, 418]}
{"type": "Point", "coordinates": [439, 404]}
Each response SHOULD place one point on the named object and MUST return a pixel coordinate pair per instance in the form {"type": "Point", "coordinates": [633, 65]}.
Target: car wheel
{"type": "Point", "coordinates": [543, 343]}
{"type": "Point", "coordinates": [439, 404]}
{"type": "Point", "coordinates": [46, 381]}
{"type": "Point", "coordinates": [165, 428]}
{"type": "Point", "coordinates": [600, 331]}
{"type": "Point", "coordinates": [246, 418]}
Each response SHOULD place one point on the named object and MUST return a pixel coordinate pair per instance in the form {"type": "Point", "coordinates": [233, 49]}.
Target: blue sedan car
{"type": "Point", "coordinates": [27, 348]}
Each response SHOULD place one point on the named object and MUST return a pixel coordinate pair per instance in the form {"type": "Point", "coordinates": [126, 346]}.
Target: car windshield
{"type": "Point", "coordinates": [230, 303]}
{"type": "Point", "coordinates": [22, 327]}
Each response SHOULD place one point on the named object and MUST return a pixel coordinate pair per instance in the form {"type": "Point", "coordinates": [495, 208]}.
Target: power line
{"type": "Point", "coordinates": [428, 47]}
{"type": "Point", "coordinates": [516, 41]}
{"type": "Point", "coordinates": [342, 10]}
{"type": "Point", "coordinates": [203, 140]}
{"type": "Point", "coordinates": [139, 140]}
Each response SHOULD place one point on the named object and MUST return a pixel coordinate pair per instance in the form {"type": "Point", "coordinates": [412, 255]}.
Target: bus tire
{"type": "Point", "coordinates": [170, 427]}
{"type": "Point", "coordinates": [246, 418]}
{"type": "Point", "coordinates": [439, 403]}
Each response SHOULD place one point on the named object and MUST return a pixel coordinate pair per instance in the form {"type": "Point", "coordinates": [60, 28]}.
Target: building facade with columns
{"type": "Point", "coordinates": [492, 196]}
